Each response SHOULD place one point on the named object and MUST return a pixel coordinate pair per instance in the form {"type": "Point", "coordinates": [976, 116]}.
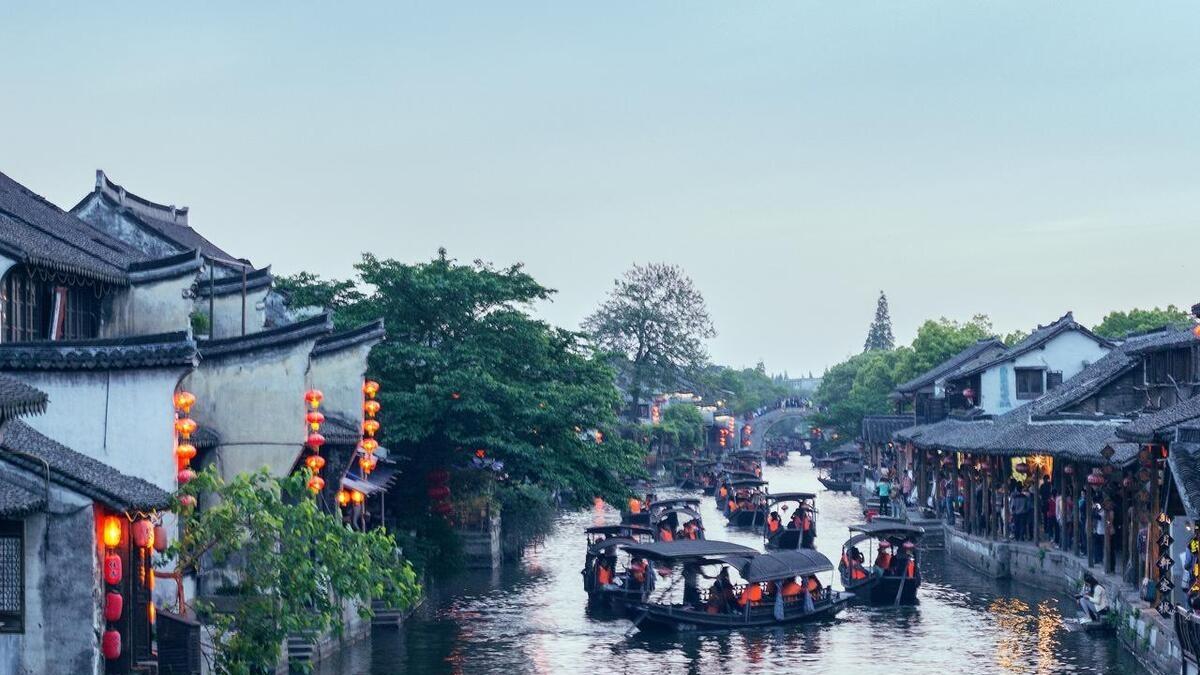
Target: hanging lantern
{"type": "Point", "coordinates": [185, 452]}
{"type": "Point", "coordinates": [315, 441]}
{"type": "Point", "coordinates": [185, 476]}
{"type": "Point", "coordinates": [370, 427]}
{"type": "Point", "coordinates": [314, 397]}
{"type": "Point", "coordinates": [187, 501]}
{"type": "Point", "coordinates": [113, 604]}
{"type": "Point", "coordinates": [343, 497]}
{"type": "Point", "coordinates": [315, 419]}
{"type": "Point", "coordinates": [184, 400]}
{"type": "Point", "coordinates": [112, 569]}
{"type": "Point", "coordinates": [316, 483]}
{"type": "Point", "coordinates": [315, 462]}
{"type": "Point", "coordinates": [370, 388]}
{"type": "Point", "coordinates": [367, 464]}
{"type": "Point", "coordinates": [185, 426]}
{"type": "Point", "coordinates": [112, 531]}
{"type": "Point", "coordinates": [160, 538]}
{"type": "Point", "coordinates": [370, 445]}
{"type": "Point", "coordinates": [1095, 479]}
{"type": "Point", "coordinates": [143, 533]}
{"type": "Point", "coordinates": [110, 645]}
{"type": "Point", "coordinates": [1069, 469]}
{"type": "Point", "coordinates": [371, 407]}
{"type": "Point", "coordinates": [357, 497]}
{"type": "Point", "coordinates": [438, 492]}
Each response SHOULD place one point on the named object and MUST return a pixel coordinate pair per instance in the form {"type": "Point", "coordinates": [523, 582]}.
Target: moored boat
{"type": "Point", "coordinates": [611, 586]}
{"type": "Point", "coordinates": [895, 575]}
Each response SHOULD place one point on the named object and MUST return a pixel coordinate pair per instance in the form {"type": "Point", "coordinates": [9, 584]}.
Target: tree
{"type": "Point", "coordinates": [742, 390]}
{"type": "Point", "coordinates": [681, 427]}
{"type": "Point", "coordinates": [879, 336]}
{"type": "Point", "coordinates": [295, 566]}
{"type": "Point", "coordinates": [1120, 324]}
{"type": "Point", "coordinates": [938, 340]}
{"type": "Point", "coordinates": [657, 320]}
{"type": "Point", "coordinates": [309, 290]}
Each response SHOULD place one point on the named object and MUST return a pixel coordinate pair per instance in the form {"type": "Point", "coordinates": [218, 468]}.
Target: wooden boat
{"type": "Point", "coordinates": [878, 586]}
{"type": "Point", "coordinates": [768, 570]}
{"type": "Point", "coordinates": [776, 456]}
{"type": "Point", "coordinates": [789, 538]}
{"type": "Point", "coordinates": [674, 515]}
{"type": "Point", "coordinates": [754, 516]}
{"type": "Point", "coordinates": [608, 542]}
{"type": "Point", "coordinates": [841, 477]}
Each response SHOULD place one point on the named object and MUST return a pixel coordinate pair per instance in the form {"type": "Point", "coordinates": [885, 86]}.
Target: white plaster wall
{"type": "Point", "coordinates": [339, 375]}
{"type": "Point", "coordinates": [150, 308]}
{"type": "Point", "coordinates": [255, 402]}
{"type": "Point", "coordinates": [124, 418]}
{"type": "Point", "coordinates": [228, 309]}
{"type": "Point", "coordinates": [1069, 352]}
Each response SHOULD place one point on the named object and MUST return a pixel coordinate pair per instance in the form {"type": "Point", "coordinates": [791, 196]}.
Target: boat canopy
{"type": "Point", "coordinates": [619, 530]}
{"type": "Point", "coordinates": [884, 530]}
{"type": "Point", "coordinates": [683, 510]}
{"type": "Point", "coordinates": [776, 497]}
{"type": "Point", "coordinates": [601, 547]}
{"type": "Point", "coordinates": [748, 482]}
{"type": "Point", "coordinates": [689, 549]}
{"type": "Point", "coordinates": [747, 454]}
{"type": "Point", "coordinates": [780, 565]}
{"type": "Point", "coordinates": [692, 502]}
{"type": "Point", "coordinates": [741, 474]}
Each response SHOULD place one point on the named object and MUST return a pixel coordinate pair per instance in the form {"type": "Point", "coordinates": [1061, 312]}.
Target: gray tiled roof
{"type": "Point", "coordinates": [232, 283]}
{"type": "Point", "coordinates": [1040, 336]}
{"type": "Point", "coordinates": [147, 351]}
{"type": "Point", "coordinates": [76, 471]}
{"type": "Point", "coordinates": [34, 231]}
{"type": "Point", "coordinates": [17, 500]}
{"type": "Point", "coordinates": [1149, 427]}
{"type": "Point", "coordinates": [368, 332]}
{"type": "Point", "coordinates": [340, 431]}
{"type": "Point", "coordinates": [1184, 460]}
{"type": "Point", "coordinates": [879, 428]}
{"type": "Point", "coordinates": [18, 398]}
{"type": "Point", "coordinates": [990, 346]}
{"type": "Point", "coordinates": [321, 324]}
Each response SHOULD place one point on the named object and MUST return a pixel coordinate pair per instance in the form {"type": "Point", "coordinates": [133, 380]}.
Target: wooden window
{"type": "Point", "coordinates": [1030, 383]}
{"type": "Point", "coordinates": [12, 576]}
{"type": "Point", "coordinates": [34, 306]}
{"type": "Point", "coordinates": [1054, 379]}
{"type": "Point", "coordinates": [1169, 367]}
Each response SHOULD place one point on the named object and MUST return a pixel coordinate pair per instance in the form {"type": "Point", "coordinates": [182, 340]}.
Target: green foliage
{"type": "Point", "coordinates": [1120, 324]}
{"type": "Point", "coordinates": [742, 390]}
{"type": "Point", "coordinates": [295, 565]}
{"type": "Point", "coordinates": [656, 320]}
{"type": "Point", "coordinates": [858, 387]}
{"type": "Point", "coordinates": [200, 323]}
{"type": "Point", "coordinates": [938, 340]}
{"type": "Point", "coordinates": [465, 367]}
{"type": "Point", "coordinates": [309, 290]}
{"type": "Point", "coordinates": [681, 427]}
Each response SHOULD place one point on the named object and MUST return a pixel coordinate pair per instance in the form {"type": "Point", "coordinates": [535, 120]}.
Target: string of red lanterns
{"type": "Point", "coordinates": [313, 420]}
{"type": "Point", "coordinates": [370, 427]}
{"type": "Point", "coordinates": [185, 426]}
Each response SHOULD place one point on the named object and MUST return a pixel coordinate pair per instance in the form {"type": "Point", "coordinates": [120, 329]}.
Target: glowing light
{"type": "Point", "coordinates": [184, 401]}
{"type": "Point", "coordinates": [112, 531]}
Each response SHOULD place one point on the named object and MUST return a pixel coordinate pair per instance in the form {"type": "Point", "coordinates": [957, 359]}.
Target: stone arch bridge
{"type": "Point", "coordinates": [759, 425]}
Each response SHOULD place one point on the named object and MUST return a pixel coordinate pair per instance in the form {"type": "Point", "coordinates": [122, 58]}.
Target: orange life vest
{"type": "Point", "coordinates": [732, 506]}
{"type": "Point", "coordinates": [724, 492]}
{"type": "Point", "coordinates": [772, 526]}
{"type": "Point", "coordinates": [884, 561]}
{"type": "Point", "coordinates": [751, 593]}
{"type": "Point", "coordinates": [635, 506]}
{"type": "Point", "coordinates": [806, 524]}
{"type": "Point", "coordinates": [791, 588]}
{"type": "Point", "coordinates": [858, 573]}
{"type": "Point", "coordinates": [910, 569]}
{"type": "Point", "coordinates": [665, 535]}
{"type": "Point", "coordinates": [638, 570]}
{"type": "Point", "coordinates": [813, 584]}
{"type": "Point", "coordinates": [603, 575]}
{"type": "Point", "coordinates": [691, 534]}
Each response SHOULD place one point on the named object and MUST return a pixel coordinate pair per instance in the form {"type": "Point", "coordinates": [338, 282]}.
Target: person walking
{"type": "Point", "coordinates": [884, 489]}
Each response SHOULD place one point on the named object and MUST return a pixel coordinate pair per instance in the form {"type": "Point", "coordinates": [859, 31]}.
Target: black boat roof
{"type": "Point", "coordinates": [790, 496]}
{"type": "Point", "coordinates": [618, 529]}
{"type": "Point", "coordinates": [741, 474]}
{"type": "Point", "coordinates": [668, 503]}
{"type": "Point", "coordinates": [746, 482]}
{"type": "Point", "coordinates": [779, 565]}
{"type": "Point", "coordinates": [678, 509]}
{"type": "Point", "coordinates": [747, 453]}
{"type": "Point", "coordinates": [690, 549]}
{"type": "Point", "coordinates": [878, 530]}
{"type": "Point", "coordinates": [612, 542]}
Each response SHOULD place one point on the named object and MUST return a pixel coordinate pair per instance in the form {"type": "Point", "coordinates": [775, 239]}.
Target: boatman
{"type": "Point", "coordinates": [808, 531]}
{"type": "Point", "coordinates": [903, 564]}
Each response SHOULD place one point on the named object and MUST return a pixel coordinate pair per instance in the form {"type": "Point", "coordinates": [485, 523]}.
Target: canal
{"type": "Point", "coordinates": [532, 618]}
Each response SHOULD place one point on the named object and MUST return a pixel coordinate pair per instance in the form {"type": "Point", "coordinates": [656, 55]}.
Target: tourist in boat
{"type": "Point", "coordinates": [774, 524]}
{"type": "Point", "coordinates": [883, 561]}
{"type": "Point", "coordinates": [751, 594]}
{"type": "Point", "coordinates": [689, 531]}
{"type": "Point", "coordinates": [635, 505]}
{"type": "Point", "coordinates": [721, 596]}
{"type": "Point", "coordinates": [808, 529]}
{"type": "Point", "coordinates": [664, 532]}
{"type": "Point", "coordinates": [795, 523]}
{"type": "Point", "coordinates": [903, 563]}
{"type": "Point", "coordinates": [1094, 600]}
{"type": "Point", "coordinates": [604, 573]}
{"type": "Point", "coordinates": [637, 574]}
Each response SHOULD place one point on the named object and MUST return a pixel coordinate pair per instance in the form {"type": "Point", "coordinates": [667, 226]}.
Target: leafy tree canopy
{"type": "Point", "coordinates": [742, 390]}
{"type": "Point", "coordinates": [1119, 324]}
{"type": "Point", "coordinates": [309, 290]}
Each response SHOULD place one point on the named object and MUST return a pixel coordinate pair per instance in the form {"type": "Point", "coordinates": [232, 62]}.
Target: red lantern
{"type": "Point", "coordinates": [113, 605]}
{"type": "Point", "coordinates": [370, 427]}
{"type": "Point", "coordinates": [1095, 479]}
{"type": "Point", "coordinates": [343, 497]}
{"type": "Point", "coordinates": [315, 462]}
{"type": "Point", "coordinates": [187, 501]}
{"type": "Point", "coordinates": [184, 401]}
{"type": "Point", "coordinates": [357, 497]}
{"type": "Point", "coordinates": [370, 445]}
{"type": "Point", "coordinates": [438, 492]}
{"type": "Point", "coordinates": [315, 441]}
{"type": "Point", "coordinates": [314, 397]}
{"type": "Point", "coordinates": [437, 476]}
{"type": "Point", "coordinates": [185, 452]}
{"type": "Point", "coordinates": [316, 483]}
{"type": "Point", "coordinates": [367, 464]}
{"type": "Point", "coordinates": [110, 644]}
{"type": "Point", "coordinates": [371, 407]}
{"type": "Point", "coordinates": [112, 569]}
{"type": "Point", "coordinates": [315, 419]}
{"type": "Point", "coordinates": [185, 476]}
{"type": "Point", "coordinates": [160, 538]}
{"type": "Point", "coordinates": [143, 533]}
{"type": "Point", "coordinates": [186, 426]}
{"type": "Point", "coordinates": [370, 388]}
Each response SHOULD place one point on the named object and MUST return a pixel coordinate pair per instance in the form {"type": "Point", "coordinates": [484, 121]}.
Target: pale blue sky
{"type": "Point", "coordinates": [1018, 159]}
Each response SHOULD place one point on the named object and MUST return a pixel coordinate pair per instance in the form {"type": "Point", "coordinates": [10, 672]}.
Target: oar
{"type": "Point", "coordinates": [900, 591]}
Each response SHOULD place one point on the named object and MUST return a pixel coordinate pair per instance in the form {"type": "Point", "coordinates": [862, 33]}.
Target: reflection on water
{"type": "Point", "coordinates": [533, 618]}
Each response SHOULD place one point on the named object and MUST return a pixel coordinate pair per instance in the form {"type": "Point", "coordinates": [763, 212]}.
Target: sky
{"type": "Point", "coordinates": [1019, 159]}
